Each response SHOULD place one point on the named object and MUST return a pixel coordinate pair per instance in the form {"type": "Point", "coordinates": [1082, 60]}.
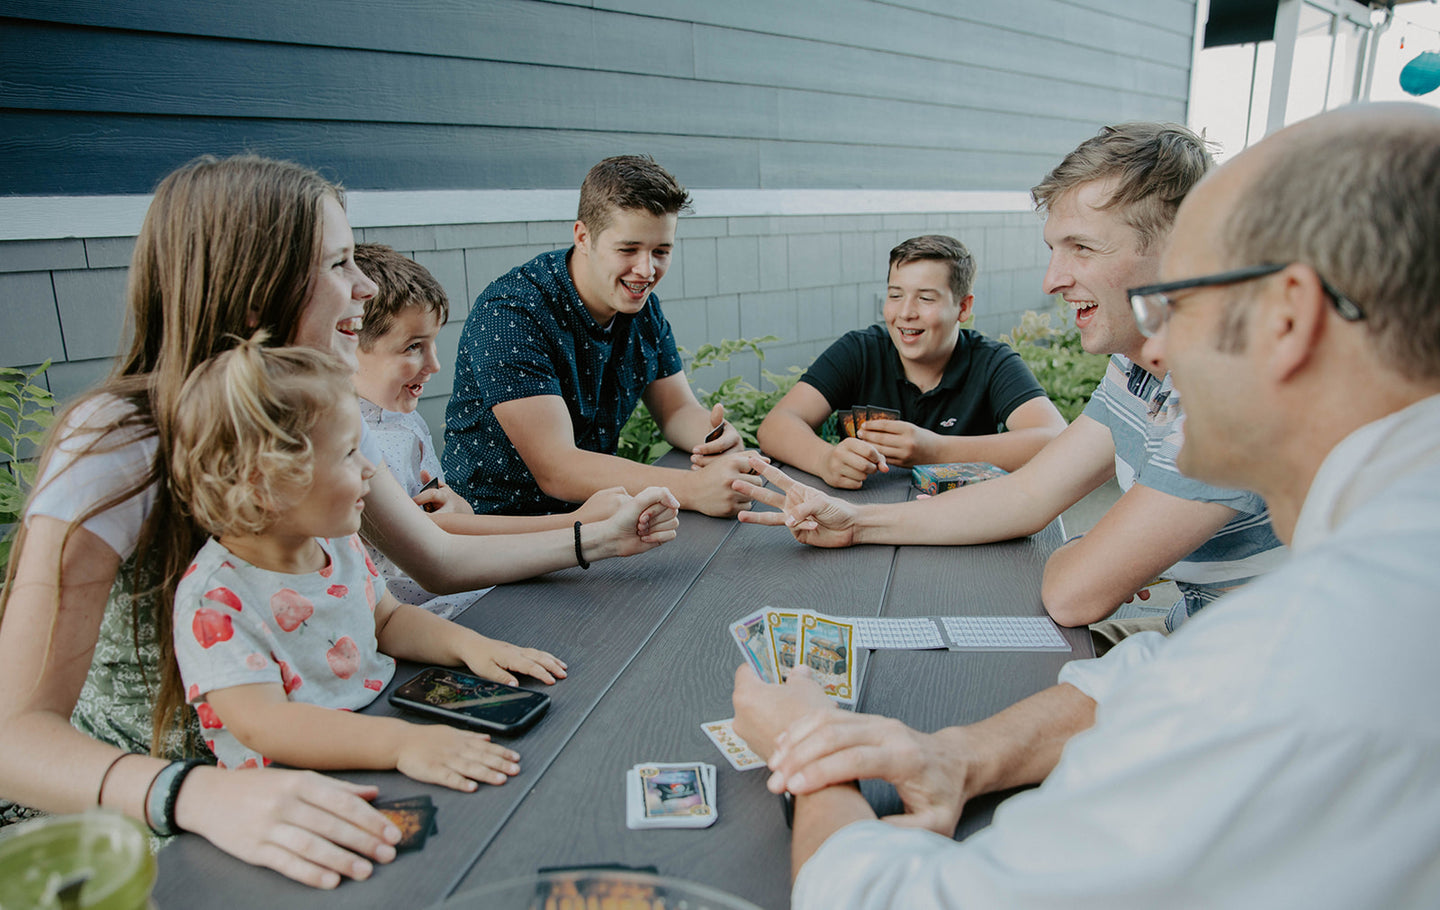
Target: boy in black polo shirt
{"type": "Point", "coordinates": [955, 389]}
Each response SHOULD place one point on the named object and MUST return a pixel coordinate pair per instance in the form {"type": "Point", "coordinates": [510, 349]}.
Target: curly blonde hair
{"type": "Point", "coordinates": [242, 432]}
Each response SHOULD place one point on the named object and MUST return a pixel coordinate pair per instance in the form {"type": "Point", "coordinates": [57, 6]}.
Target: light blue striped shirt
{"type": "Point", "coordinates": [1144, 419]}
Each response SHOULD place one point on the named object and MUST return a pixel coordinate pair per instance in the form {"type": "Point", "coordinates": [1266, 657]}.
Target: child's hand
{"type": "Point", "coordinates": [601, 505]}
{"type": "Point", "coordinates": [491, 659]}
{"type": "Point", "coordinates": [441, 498]}
{"type": "Point", "coordinates": [438, 754]}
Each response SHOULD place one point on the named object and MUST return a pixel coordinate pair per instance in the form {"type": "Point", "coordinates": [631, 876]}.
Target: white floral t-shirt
{"type": "Point", "coordinates": [237, 624]}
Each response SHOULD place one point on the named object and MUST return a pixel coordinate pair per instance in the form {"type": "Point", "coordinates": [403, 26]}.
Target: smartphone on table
{"type": "Point", "coordinates": [466, 700]}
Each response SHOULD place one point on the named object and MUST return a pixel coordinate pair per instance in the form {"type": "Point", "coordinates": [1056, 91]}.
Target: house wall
{"type": "Point", "coordinates": [816, 134]}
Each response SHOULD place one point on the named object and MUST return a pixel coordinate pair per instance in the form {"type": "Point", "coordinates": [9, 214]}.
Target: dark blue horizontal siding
{"type": "Point", "coordinates": [104, 97]}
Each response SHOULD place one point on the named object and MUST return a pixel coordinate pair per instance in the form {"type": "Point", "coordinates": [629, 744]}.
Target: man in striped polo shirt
{"type": "Point", "coordinates": [1109, 208]}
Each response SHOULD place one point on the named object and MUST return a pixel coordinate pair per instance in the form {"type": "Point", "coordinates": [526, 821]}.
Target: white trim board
{"type": "Point", "coordinates": [58, 217]}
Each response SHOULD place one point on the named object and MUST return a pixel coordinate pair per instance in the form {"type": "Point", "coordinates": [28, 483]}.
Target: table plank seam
{"type": "Point", "coordinates": [455, 882]}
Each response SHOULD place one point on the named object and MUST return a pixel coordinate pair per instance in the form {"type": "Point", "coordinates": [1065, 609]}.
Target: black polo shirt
{"type": "Point", "coordinates": [984, 382]}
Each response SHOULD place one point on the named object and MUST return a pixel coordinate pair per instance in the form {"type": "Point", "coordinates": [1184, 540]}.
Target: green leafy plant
{"type": "Point", "coordinates": [1066, 372]}
{"type": "Point", "coordinates": [26, 410]}
{"type": "Point", "coordinates": [745, 405]}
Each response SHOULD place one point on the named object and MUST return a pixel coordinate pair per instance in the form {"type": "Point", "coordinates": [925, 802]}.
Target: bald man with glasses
{"type": "Point", "coordinates": [1280, 749]}
{"type": "Point", "coordinates": [1109, 208]}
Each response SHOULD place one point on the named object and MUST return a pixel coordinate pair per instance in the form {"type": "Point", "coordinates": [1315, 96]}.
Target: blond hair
{"type": "Point", "coordinates": [1153, 165]}
{"type": "Point", "coordinates": [242, 433]}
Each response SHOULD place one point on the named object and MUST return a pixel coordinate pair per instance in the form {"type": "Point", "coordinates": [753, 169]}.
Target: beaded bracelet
{"type": "Point", "coordinates": [579, 555]}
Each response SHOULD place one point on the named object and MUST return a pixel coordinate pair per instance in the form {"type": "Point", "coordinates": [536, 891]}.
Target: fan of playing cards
{"type": "Point", "coordinates": [771, 639]}
{"type": "Point", "coordinates": [670, 795]}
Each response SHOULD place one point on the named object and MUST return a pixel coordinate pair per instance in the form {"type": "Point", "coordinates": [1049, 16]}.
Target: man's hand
{"type": "Point", "coordinates": [764, 711]}
{"type": "Point", "coordinates": [728, 440]}
{"type": "Point", "coordinates": [811, 744]}
{"type": "Point", "coordinates": [820, 750]}
{"type": "Point", "coordinates": [812, 516]}
{"type": "Point", "coordinates": [725, 485]}
{"type": "Point", "coordinates": [851, 461]}
{"type": "Point", "coordinates": [903, 444]}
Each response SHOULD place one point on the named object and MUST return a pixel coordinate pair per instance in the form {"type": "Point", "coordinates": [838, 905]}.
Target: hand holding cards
{"type": "Point", "coordinates": [853, 420]}
{"type": "Point", "coordinates": [670, 795]}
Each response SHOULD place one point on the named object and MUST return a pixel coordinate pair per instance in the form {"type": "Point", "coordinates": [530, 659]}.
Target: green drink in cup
{"type": "Point", "coordinates": [95, 861]}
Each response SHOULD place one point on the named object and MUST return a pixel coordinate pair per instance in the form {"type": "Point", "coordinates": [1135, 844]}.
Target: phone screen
{"type": "Point", "coordinates": [490, 704]}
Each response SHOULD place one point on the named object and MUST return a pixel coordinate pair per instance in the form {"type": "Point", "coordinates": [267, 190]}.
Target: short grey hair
{"type": "Point", "coordinates": [1362, 207]}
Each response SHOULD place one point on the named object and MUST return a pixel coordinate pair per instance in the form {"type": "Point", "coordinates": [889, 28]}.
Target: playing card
{"type": "Point", "coordinates": [862, 414]}
{"type": "Point", "coordinates": [751, 635]}
{"type": "Point", "coordinates": [414, 816]}
{"type": "Point", "coordinates": [847, 422]}
{"type": "Point", "coordinates": [666, 795]}
{"type": "Point", "coordinates": [883, 413]}
{"type": "Point", "coordinates": [827, 647]}
{"type": "Point", "coordinates": [736, 752]}
{"type": "Point", "coordinates": [715, 433]}
{"type": "Point", "coordinates": [783, 628]}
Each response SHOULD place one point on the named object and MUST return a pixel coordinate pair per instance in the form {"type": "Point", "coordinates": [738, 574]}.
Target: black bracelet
{"type": "Point", "coordinates": [172, 795]}
{"type": "Point", "coordinates": [100, 793]}
{"type": "Point", "coordinates": [579, 555]}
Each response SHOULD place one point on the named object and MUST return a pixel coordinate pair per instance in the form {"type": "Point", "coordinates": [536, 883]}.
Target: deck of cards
{"type": "Point", "coordinates": [670, 795]}
{"type": "Point", "coordinates": [771, 639]}
{"type": "Point", "coordinates": [853, 420]}
{"type": "Point", "coordinates": [414, 816]}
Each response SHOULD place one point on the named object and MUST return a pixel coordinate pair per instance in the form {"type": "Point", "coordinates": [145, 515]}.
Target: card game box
{"type": "Point", "coordinates": [937, 478]}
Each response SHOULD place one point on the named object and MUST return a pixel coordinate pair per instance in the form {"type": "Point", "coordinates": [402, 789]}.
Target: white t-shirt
{"type": "Point", "coordinates": [405, 443]}
{"type": "Point", "coordinates": [1282, 749]}
{"type": "Point", "coordinates": [88, 480]}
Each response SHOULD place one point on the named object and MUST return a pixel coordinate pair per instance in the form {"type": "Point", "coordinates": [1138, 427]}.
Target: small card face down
{"type": "Point", "coordinates": [827, 647]}
{"type": "Point", "coordinates": [670, 795]}
{"type": "Point", "coordinates": [753, 637]}
{"type": "Point", "coordinates": [414, 816]}
{"type": "Point", "coordinates": [735, 749]}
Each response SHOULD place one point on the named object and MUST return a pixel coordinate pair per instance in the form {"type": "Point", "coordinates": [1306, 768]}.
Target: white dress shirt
{"type": "Point", "coordinates": [1281, 750]}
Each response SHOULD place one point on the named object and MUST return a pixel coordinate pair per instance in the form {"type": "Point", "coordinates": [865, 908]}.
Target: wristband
{"type": "Point", "coordinates": [579, 555]}
{"type": "Point", "coordinates": [163, 793]}
{"type": "Point", "coordinates": [100, 793]}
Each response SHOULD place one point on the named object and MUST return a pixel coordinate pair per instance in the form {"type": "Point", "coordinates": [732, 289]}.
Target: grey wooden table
{"type": "Point", "coordinates": [651, 660]}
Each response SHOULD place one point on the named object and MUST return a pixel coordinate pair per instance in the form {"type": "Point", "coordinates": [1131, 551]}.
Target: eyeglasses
{"type": "Point", "coordinates": [1152, 304]}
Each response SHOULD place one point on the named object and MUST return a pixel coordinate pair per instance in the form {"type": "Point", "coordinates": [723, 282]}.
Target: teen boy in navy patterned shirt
{"type": "Point", "coordinates": [557, 353]}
